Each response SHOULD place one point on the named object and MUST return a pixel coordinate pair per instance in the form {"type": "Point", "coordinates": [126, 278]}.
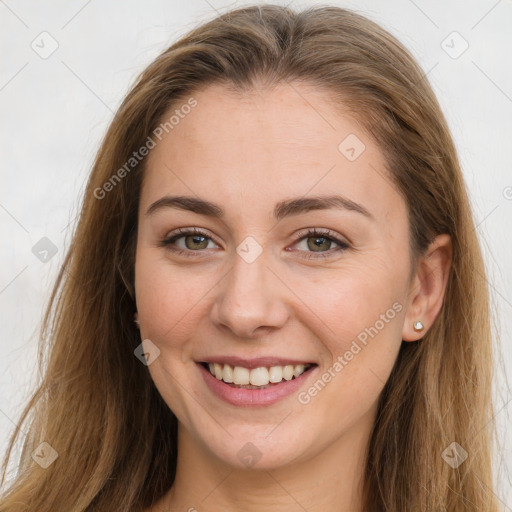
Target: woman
{"type": "Point", "coordinates": [270, 299]}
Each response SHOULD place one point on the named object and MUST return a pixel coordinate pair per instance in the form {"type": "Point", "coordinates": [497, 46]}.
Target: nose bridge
{"type": "Point", "coordinates": [250, 297]}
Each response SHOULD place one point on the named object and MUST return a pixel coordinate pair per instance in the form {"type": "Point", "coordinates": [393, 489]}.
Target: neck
{"type": "Point", "coordinates": [329, 481]}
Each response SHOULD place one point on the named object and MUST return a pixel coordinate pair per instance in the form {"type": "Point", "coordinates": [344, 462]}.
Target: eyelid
{"type": "Point", "coordinates": [310, 232]}
{"type": "Point", "coordinates": [342, 243]}
{"type": "Point", "coordinates": [189, 231]}
{"type": "Point", "coordinates": [323, 232]}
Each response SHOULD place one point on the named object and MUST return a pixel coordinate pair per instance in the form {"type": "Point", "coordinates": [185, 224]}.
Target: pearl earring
{"type": "Point", "coordinates": [418, 326]}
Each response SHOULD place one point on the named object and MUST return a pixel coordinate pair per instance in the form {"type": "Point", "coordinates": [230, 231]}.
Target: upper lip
{"type": "Point", "coordinates": [257, 362]}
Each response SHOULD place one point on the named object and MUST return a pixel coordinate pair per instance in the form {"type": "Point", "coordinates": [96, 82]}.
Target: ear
{"type": "Point", "coordinates": [428, 285]}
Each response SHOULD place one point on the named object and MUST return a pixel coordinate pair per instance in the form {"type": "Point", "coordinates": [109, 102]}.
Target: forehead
{"type": "Point", "coordinates": [260, 146]}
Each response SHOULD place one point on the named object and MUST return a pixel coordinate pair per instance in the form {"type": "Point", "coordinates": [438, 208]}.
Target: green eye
{"type": "Point", "coordinates": [318, 243]}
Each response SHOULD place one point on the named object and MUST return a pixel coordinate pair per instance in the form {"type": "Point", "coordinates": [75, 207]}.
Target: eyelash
{"type": "Point", "coordinates": [310, 233]}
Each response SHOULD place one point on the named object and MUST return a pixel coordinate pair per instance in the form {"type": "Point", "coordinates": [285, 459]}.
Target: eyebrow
{"type": "Point", "coordinates": [282, 209]}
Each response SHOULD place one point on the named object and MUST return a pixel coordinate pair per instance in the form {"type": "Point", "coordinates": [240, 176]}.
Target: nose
{"type": "Point", "coordinates": [251, 300]}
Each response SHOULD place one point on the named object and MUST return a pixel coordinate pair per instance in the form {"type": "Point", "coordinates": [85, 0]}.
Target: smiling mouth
{"type": "Point", "coordinates": [256, 378]}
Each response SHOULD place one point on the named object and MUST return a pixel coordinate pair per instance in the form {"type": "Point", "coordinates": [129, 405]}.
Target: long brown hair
{"type": "Point", "coordinates": [96, 404]}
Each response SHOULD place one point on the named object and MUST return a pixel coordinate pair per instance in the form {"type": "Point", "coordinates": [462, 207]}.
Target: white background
{"type": "Point", "coordinates": [55, 110]}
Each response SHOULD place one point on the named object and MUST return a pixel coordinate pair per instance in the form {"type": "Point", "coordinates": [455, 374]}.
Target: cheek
{"type": "Point", "coordinates": [169, 300]}
{"type": "Point", "coordinates": [350, 300]}
{"type": "Point", "coordinates": [362, 314]}
{"type": "Point", "coordinates": [169, 297]}
{"type": "Point", "coordinates": [339, 310]}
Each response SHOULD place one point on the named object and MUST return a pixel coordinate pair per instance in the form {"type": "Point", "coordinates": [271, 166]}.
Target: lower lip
{"type": "Point", "coordinates": [253, 397]}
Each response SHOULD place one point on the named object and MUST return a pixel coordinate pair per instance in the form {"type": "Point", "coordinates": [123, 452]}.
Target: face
{"type": "Point", "coordinates": [291, 250]}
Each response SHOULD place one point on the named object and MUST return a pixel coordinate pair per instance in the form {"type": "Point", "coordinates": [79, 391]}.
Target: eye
{"type": "Point", "coordinates": [187, 241]}
{"type": "Point", "coordinates": [315, 241]}
{"type": "Point", "coordinates": [193, 241]}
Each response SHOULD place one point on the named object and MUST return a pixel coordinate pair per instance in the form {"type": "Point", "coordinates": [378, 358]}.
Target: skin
{"type": "Point", "coordinates": [246, 152]}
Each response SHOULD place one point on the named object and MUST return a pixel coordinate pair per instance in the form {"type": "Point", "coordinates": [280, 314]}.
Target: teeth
{"type": "Point", "coordinates": [227, 373]}
{"type": "Point", "coordinates": [275, 374]}
{"type": "Point", "coordinates": [218, 370]}
{"type": "Point", "coordinates": [298, 370]}
{"type": "Point", "coordinates": [257, 376]}
{"type": "Point", "coordinates": [288, 372]}
{"type": "Point", "coordinates": [240, 375]}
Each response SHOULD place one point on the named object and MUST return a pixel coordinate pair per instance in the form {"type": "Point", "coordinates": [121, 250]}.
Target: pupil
{"type": "Point", "coordinates": [318, 244]}
{"type": "Point", "coordinates": [196, 240]}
